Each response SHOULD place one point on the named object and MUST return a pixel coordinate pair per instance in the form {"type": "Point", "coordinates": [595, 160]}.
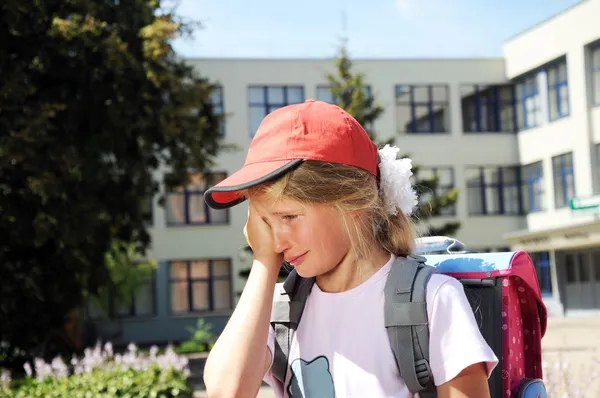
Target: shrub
{"type": "Point", "coordinates": [202, 339]}
{"type": "Point", "coordinates": [100, 373]}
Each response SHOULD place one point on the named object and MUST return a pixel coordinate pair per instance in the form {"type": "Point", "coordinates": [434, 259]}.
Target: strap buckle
{"type": "Point", "coordinates": [423, 371]}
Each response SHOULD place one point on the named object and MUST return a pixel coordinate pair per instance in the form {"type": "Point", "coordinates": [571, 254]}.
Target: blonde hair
{"type": "Point", "coordinates": [354, 193]}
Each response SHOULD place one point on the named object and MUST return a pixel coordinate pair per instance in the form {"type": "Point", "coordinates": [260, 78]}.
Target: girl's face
{"type": "Point", "coordinates": [312, 238]}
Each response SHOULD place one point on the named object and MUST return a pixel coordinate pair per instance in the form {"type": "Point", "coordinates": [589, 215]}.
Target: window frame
{"type": "Point", "coordinates": [190, 284]}
{"type": "Point", "coordinates": [554, 66]}
{"type": "Point", "coordinates": [218, 103]}
{"type": "Point", "coordinates": [529, 183]}
{"type": "Point", "coordinates": [563, 173]}
{"type": "Point", "coordinates": [132, 307]}
{"type": "Point", "coordinates": [267, 106]}
{"type": "Point", "coordinates": [430, 103]}
{"type": "Point", "coordinates": [541, 262]}
{"type": "Point", "coordinates": [441, 189]}
{"type": "Point", "coordinates": [132, 313]}
{"type": "Point", "coordinates": [189, 193]}
{"type": "Point", "coordinates": [596, 149]}
{"type": "Point", "coordinates": [595, 72]}
{"type": "Point", "coordinates": [497, 105]}
{"type": "Point", "coordinates": [529, 91]}
{"type": "Point", "coordinates": [500, 186]}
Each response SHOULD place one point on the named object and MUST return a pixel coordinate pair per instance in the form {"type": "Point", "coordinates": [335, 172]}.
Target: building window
{"type": "Point", "coordinates": [595, 64]}
{"type": "Point", "coordinates": [445, 184]}
{"type": "Point", "coordinates": [596, 170]}
{"type": "Point", "coordinates": [541, 261]}
{"type": "Point", "coordinates": [558, 90]}
{"type": "Point", "coordinates": [325, 94]}
{"type": "Point", "coordinates": [528, 102]}
{"type": "Point", "coordinates": [142, 303]}
{"type": "Point", "coordinates": [564, 179]}
{"type": "Point", "coordinates": [186, 206]}
{"type": "Point", "coordinates": [494, 190]}
{"type": "Point", "coordinates": [532, 176]}
{"type": "Point", "coordinates": [200, 286]}
{"type": "Point", "coordinates": [423, 109]}
{"type": "Point", "coordinates": [147, 210]}
{"type": "Point", "coordinates": [219, 107]}
{"type": "Point", "coordinates": [488, 109]}
{"type": "Point", "coordinates": [265, 99]}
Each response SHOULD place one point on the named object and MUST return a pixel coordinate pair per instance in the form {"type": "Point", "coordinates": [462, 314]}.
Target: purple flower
{"type": "Point", "coordinates": [4, 378]}
{"type": "Point", "coordinates": [102, 357]}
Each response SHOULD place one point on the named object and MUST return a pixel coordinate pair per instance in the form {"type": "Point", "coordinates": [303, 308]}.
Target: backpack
{"type": "Point", "coordinates": [502, 289]}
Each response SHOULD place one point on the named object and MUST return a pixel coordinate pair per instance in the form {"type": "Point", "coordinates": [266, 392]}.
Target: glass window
{"type": "Point", "coordinates": [422, 109]}
{"type": "Point", "coordinates": [200, 285]}
{"type": "Point", "coordinates": [488, 109]}
{"type": "Point", "coordinates": [564, 179]}
{"type": "Point", "coordinates": [265, 99]}
{"type": "Point", "coordinates": [186, 206]}
{"type": "Point", "coordinates": [494, 190]}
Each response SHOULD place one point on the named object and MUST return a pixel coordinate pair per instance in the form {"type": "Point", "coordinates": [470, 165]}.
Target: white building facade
{"type": "Point", "coordinates": [556, 67]}
{"type": "Point", "coordinates": [518, 136]}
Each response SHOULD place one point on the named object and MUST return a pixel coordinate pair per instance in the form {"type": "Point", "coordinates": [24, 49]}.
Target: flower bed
{"type": "Point", "coordinates": [101, 373]}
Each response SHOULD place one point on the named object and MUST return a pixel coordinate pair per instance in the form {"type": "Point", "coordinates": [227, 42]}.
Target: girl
{"type": "Point", "coordinates": [322, 199]}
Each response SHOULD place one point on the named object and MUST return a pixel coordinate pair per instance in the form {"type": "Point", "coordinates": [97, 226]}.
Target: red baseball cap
{"type": "Point", "coordinates": [312, 130]}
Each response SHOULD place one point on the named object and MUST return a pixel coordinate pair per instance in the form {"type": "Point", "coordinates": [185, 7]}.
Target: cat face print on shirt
{"type": "Point", "coordinates": [311, 379]}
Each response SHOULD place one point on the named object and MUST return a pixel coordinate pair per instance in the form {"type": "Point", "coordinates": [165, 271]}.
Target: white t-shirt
{"type": "Point", "coordinates": [341, 347]}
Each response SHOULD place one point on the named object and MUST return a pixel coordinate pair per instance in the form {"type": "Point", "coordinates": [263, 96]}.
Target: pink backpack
{"type": "Point", "coordinates": [504, 293]}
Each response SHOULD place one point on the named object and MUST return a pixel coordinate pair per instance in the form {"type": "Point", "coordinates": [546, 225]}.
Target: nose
{"type": "Point", "coordinates": [281, 241]}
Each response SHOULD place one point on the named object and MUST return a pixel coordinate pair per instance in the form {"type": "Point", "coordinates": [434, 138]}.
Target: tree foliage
{"type": "Point", "coordinates": [349, 91]}
{"type": "Point", "coordinates": [93, 103]}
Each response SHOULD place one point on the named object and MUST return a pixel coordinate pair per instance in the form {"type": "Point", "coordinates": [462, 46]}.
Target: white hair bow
{"type": "Point", "coordinates": [394, 185]}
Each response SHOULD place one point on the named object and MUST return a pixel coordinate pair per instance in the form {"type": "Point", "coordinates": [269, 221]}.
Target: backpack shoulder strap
{"type": "Point", "coordinates": [407, 323]}
{"type": "Point", "coordinates": [288, 304]}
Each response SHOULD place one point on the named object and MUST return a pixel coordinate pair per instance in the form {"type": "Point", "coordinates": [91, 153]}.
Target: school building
{"type": "Point", "coordinates": [519, 136]}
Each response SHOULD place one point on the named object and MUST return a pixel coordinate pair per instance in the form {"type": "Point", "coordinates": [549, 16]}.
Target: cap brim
{"type": "Point", "coordinates": [226, 193]}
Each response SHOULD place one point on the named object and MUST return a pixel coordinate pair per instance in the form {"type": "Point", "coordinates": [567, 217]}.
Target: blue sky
{"type": "Point", "coordinates": [384, 29]}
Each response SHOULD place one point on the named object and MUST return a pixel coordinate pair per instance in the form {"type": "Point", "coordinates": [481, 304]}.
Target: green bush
{"type": "Point", "coordinates": [101, 373]}
{"type": "Point", "coordinates": [153, 382]}
{"type": "Point", "coordinates": [201, 339]}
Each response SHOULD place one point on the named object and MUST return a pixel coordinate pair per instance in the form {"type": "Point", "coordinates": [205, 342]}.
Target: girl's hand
{"type": "Point", "coordinates": [260, 239]}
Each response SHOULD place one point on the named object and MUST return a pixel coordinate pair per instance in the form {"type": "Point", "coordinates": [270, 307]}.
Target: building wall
{"type": "Point", "coordinates": [567, 35]}
{"type": "Point", "coordinates": [451, 149]}
{"type": "Point", "coordinates": [557, 233]}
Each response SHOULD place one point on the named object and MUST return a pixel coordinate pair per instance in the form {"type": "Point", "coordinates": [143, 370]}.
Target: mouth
{"type": "Point", "coordinates": [295, 261]}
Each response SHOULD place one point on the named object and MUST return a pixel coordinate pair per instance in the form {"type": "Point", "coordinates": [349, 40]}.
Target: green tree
{"type": "Point", "coordinates": [94, 105]}
{"type": "Point", "coordinates": [127, 272]}
{"type": "Point", "coordinates": [350, 92]}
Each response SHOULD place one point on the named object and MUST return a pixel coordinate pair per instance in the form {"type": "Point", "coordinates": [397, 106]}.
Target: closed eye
{"type": "Point", "coordinates": [289, 217]}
